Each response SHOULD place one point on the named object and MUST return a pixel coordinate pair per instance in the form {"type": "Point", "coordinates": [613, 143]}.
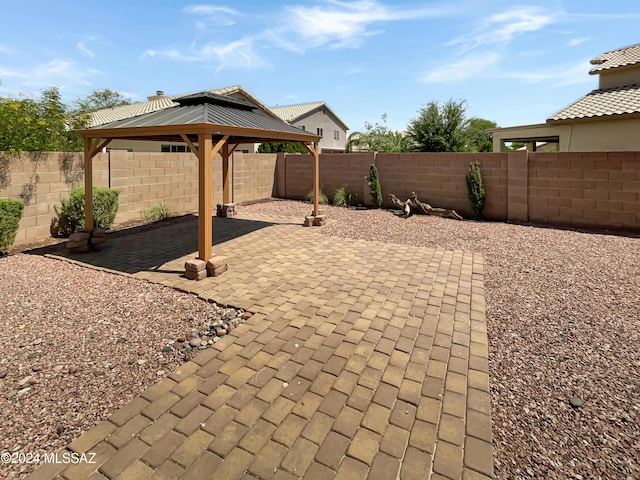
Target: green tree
{"type": "Point", "coordinates": [44, 124]}
{"type": "Point", "coordinates": [377, 137]}
{"type": "Point", "coordinates": [439, 128]}
{"type": "Point", "coordinates": [477, 137]}
{"type": "Point", "coordinates": [275, 147]}
{"type": "Point", "coordinates": [99, 99]}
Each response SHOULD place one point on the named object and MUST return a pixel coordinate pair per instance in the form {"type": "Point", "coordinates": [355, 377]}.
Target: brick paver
{"type": "Point", "coordinates": [362, 360]}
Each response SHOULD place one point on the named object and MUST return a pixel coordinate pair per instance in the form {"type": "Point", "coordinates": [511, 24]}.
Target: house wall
{"type": "Point", "coordinates": [619, 77]}
{"type": "Point", "coordinates": [610, 135]}
{"type": "Point", "coordinates": [320, 119]}
{"type": "Point", "coordinates": [591, 189]}
{"type": "Point", "coordinates": [605, 136]}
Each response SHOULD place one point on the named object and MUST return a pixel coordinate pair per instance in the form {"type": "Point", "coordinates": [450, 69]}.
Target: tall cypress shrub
{"type": "Point", "coordinates": [374, 185]}
{"type": "Point", "coordinates": [475, 190]}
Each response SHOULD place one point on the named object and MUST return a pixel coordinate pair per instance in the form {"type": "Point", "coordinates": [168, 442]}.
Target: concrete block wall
{"type": "Point", "coordinates": [588, 190]}
{"type": "Point", "coordinates": [254, 176]}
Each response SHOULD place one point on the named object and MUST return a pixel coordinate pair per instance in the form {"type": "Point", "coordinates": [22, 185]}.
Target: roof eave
{"type": "Point", "coordinates": [195, 129]}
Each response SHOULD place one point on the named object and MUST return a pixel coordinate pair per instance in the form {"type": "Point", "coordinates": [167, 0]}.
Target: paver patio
{"type": "Point", "coordinates": [362, 360]}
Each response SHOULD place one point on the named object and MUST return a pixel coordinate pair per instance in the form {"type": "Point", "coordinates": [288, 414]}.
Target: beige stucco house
{"type": "Point", "coordinates": [606, 119]}
{"type": "Point", "coordinates": [319, 119]}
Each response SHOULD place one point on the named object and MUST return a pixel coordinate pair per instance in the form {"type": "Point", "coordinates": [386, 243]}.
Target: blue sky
{"type": "Point", "coordinates": [513, 63]}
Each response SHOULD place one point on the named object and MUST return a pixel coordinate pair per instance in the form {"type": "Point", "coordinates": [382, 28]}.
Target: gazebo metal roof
{"type": "Point", "coordinates": [210, 124]}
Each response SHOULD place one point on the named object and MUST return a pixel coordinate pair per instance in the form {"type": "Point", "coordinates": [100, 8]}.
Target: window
{"type": "Point", "coordinates": [336, 134]}
{"type": "Point", "coordinates": [302, 127]}
{"type": "Point", "coordinates": [175, 148]}
{"type": "Point", "coordinates": [320, 132]}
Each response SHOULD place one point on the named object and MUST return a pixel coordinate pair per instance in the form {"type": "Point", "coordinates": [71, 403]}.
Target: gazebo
{"type": "Point", "coordinates": [210, 124]}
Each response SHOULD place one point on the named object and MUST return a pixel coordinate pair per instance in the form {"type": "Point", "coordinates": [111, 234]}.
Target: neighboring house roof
{"type": "Point", "coordinates": [602, 103]}
{"type": "Point", "coordinates": [109, 115]}
{"type": "Point", "coordinates": [294, 113]}
{"type": "Point", "coordinates": [204, 108]}
{"type": "Point", "coordinates": [621, 57]}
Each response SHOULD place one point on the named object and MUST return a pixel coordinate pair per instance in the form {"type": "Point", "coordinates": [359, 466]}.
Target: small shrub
{"type": "Point", "coordinates": [10, 216]}
{"type": "Point", "coordinates": [475, 190]}
{"type": "Point", "coordinates": [70, 215]}
{"type": "Point", "coordinates": [158, 212]}
{"type": "Point", "coordinates": [374, 185]}
{"type": "Point", "coordinates": [322, 198]}
{"type": "Point", "coordinates": [345, 198]}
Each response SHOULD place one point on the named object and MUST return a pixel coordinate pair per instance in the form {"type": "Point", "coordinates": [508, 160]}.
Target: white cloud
{"type": "Point", "coordinates": [557, 76]}
{"type": "Point", "coordinates": [82, 46]}
{"type": "Point", "coordinates": [467, 67]}
{"type": "Point", "coordinates": [502, 28]}
{"type": "Point", "coordinates": [341, 24]}
{"type": "Point", "coordinates": [238, 54]}
{"type": "Point", "coordinates": [212, 16]}
{"type": "Point", "coordinates": [577, 41]}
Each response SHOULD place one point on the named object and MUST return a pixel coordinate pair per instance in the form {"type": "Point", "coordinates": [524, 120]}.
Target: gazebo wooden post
{"type": "Point", "coordinates": [226, 176]}
{"type": "Point", "coordinates": [88, 184]}
{"type": "Point", "coordinates": [205, 181]}
{"type": "Point", "coordinates": [316, 179]}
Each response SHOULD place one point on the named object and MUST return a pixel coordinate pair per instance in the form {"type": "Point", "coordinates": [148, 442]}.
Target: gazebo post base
{"type": "Point", "coordinates": [226, 210]}
{"type": "Point", "coordinates": [315, 221]}
{"type": "Point", "coordinates": [198, 269]}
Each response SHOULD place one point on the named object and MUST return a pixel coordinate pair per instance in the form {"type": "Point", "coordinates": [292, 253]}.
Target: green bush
{"type": "Point", "coordinates": [374, 185]}
{"type": "Point", "coordinates": [475, 190]}
{"type": "Point", "coordinates": [345, 198]}
{"type": "Point", "coordinates": [10, 215]}
{"type": "Point", "coordinates": [70, 216]}
{"type": "Point", "coordinates": [158, 212]}
{"type": "Point", "coordinates": [322, 198]}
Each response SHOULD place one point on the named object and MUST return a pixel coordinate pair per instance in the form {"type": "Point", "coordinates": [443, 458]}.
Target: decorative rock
{"type": "Point", "coordinates": [25, 381]}
{"type": "Point", "coordinates": [73, 370]}
{"type": "Point", "coordinates": [12, 393]}
{"type": "Point", "coordinates": [79, 236]}
{"type": "Point", "coordinates": [220, 331]}
{"type": "Point", "coordinates": [217, 265]}
{"type": "Point", "coordinates": [33, 355]}
{"type": "Point", "coordinates": [194, 342]}
{"type": "Point", "coordinates": [191, 275]}
{"type": "Point", "coordinates": [182, 339]}
{"type": "Point", "coordinates": [3, 373]}
{"type": "Point", "coordinates": [575, 402]}
{"type": "Point", "coordinates": [141, 361]}
{"type": "Point", "coordinates": [319, 220]}
{"type": "Point", "coordinates": [36, 368]}
{"type": "Point", "coordinates": [246, 315]}
{"type": "Point", "coordinates": [195, 265]}
{"type": "Point", "coordinates": [160, 373]}
{"type": "Point", "coordinates": [219, 271]}
{"type": "Point", "coordinates": [37, 341]}
{"type": "Point", "coordinates": [226, 210]}
{"type": "Point", "coordinates": [167, 349]}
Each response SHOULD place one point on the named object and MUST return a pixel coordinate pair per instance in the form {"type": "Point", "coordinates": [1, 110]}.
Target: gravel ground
{"type": "Point", "coordinates": [563, 319]}
{"type": "Point", "coordinates": [563, 315]}
{"type": "Point", "coordinates": [85, 342]}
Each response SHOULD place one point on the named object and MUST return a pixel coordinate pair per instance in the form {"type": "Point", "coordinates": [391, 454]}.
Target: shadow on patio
{"type": "Point", "coordinates": [156, 247]}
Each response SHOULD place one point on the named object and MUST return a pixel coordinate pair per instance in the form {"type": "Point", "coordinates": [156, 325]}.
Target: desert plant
{"type": "Point", "coordinates": [345, 198]}
{"type": "Point", "coordinates": [158, 212]}
{"type": "Point", "coordinates": [475, 190]}
{"type": "Point", "coordinates": [10, 215]}
{"type": "Point", "coordinates": [70, 215]}
{"type": "Point", "coordinates": [322, 198]}
{"type": "Point", "coordinates": [374, 185]}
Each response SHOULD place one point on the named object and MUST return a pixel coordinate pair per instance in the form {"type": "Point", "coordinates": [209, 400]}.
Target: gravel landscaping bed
{"type": "Point", "coordinates": [563, 319]}
{"type": "Point", "coordinates": [78, 343]}
{"type": "Point", "coordinates": [563, 315]}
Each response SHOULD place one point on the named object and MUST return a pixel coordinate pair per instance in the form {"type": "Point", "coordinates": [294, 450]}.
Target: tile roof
{"type": "Point", "coordinates": [290, 113]}
{"type": "Point", "coordinates": [109, 115]}
{"type": "Point", "coordinates": [616, 58]}
{"type": "Point", "coordinates": [602, 103]}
